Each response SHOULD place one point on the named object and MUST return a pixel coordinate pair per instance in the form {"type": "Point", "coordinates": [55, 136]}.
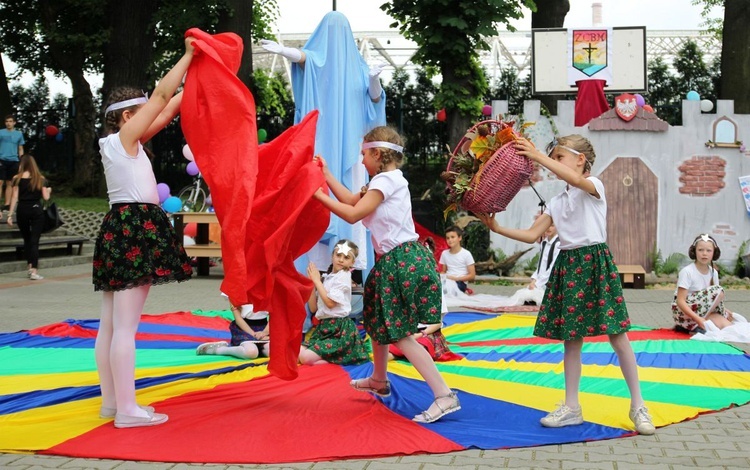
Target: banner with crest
{"type": "Point", "coordinates": [589, 54]}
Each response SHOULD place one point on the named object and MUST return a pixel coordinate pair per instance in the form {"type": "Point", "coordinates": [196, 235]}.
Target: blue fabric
{"type": "Point", "coordinates": [334, 79]}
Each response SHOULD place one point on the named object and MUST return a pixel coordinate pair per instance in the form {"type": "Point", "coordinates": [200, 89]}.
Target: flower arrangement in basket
{"type": "Point", "coordinates": [484, 171]}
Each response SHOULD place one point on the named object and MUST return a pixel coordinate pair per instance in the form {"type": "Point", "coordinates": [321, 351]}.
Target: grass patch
{"type": "Point", "coordinates": [90, 204]}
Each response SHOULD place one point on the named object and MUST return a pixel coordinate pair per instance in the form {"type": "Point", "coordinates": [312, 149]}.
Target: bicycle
{"type": "Point", "coordinates": [193, 197]}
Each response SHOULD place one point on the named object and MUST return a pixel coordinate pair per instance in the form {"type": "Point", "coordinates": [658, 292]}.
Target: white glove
{"type": "Point", "coordinates": [289, 52]}
{"type": "Point", "coordinates": [375, 89]}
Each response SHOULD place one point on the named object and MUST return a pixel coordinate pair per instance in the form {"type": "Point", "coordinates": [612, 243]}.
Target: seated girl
{"type": "Point", "coordinates": [335, 339]}
{"type": "Point", "coordinates": [699, 297]}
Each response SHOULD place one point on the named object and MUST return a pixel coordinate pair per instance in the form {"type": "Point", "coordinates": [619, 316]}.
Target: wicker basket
{"type": "Point", "coordinates": [500, 178]}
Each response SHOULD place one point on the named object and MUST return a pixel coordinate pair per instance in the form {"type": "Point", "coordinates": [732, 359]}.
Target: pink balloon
{"type": "Point", "coordinates": [192, 169]}
{"type": "Point", "coordinates": [187, 153]}
{"type": "Point", "coordinates": [487, 110]}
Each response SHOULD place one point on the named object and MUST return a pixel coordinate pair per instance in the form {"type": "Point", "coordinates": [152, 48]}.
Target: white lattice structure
{"type": "Point", "coordinates": [506, 49]}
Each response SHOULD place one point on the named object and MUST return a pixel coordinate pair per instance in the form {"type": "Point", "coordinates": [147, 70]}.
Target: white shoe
{"type": "Point", "coordinates": [642, 421]}
{"type": "Point", "coordinates": [35, 277]}
{"type": "Point", "coordinates": [563, 416]}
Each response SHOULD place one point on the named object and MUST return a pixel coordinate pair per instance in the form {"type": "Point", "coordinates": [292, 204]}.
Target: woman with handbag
{"type": "Point", "coordinates": [29, 188]}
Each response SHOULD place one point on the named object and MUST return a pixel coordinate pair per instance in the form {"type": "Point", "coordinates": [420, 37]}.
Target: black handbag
{"type": "Point", "coordinates": [52, 218]}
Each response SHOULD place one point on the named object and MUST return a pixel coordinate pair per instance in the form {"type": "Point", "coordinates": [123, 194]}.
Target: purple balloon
{"type": "Point", "coordinates": [163, 190]}
{"type": "Point", "coordinates": [639, 100]}
{"type": "Point", "coordinates": [192, 169]}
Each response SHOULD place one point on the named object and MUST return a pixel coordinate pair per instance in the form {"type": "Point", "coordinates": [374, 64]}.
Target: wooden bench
{"type": "Point", "coordinates": [69, 241]}
{"type": "Point", "coordinates": [202, 250]}
{"type": "Point", "coordinates": [633, 275]}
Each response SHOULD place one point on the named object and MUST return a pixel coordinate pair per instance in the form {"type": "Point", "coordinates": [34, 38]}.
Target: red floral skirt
{"type": "Point", "coordinates": [137, 246]}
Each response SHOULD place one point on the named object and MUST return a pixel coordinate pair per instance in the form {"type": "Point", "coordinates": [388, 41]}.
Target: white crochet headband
{"type": "Point", "coordinates": [126, 104]}
{"type": "Point", "coordinates": [378, 143]}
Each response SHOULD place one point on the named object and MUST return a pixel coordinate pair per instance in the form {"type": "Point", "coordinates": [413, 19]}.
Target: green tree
{"type": "Point", "coordinates": [510, 87]}
{"type": "Point", "coordinates": [449, 35]}
{"type": "Point", "coordinates": [734, 35]}
{"type": "Point", "coordinates": [663, 94]}
{"type": "Point", "coordinates": [692, 72]}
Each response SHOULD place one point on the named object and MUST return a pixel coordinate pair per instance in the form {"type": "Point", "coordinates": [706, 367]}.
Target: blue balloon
{"type": "Point", "coordinates": [693, 95]}
{"type": "Point", "coordinates": [172, 204]}
{"type": "Point", "coordinates": [59, 137]}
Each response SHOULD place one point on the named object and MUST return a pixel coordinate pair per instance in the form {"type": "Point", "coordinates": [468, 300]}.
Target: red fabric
{"type": "Point", "coordinates": [262, 196]}
{"type": "Point", "coordinates": [265, 421]}
{"type": "Point", "coordinates": [590, 102]}
{"type": "Point", "coordinates": [440, 243]}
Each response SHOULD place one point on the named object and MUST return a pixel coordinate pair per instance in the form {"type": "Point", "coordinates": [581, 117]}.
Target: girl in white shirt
{"type": "Point", "coordinates": [584, 293]}
{"type": "Point", "coordinates": [136, 246]}
{"type": "Point", "coordinates": [403, 288]}
{"type": "Point", "coordinates": [699, 297]}
{"type": "Point", "coordinates": [335, 339]}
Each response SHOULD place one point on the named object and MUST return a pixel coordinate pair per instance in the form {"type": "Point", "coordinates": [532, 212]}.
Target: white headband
{"type": "Point", "coordinates": [126, 104]}
{"type": "Point", "coordinates": [388, 145]}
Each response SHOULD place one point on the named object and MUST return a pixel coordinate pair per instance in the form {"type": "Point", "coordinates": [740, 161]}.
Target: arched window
{"type": "Point", "coordinates": [725, 133]}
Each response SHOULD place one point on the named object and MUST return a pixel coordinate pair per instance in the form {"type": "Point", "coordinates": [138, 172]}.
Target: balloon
{"type": "Point", "coordinates": [51, 130]}
{"type": "Point", "coordinates": [172, 204]}
{"type": "Point", "coordinates": [647, 107]}
{"type": "Point", "coordinates": [693, 95]}
{"type": "Point", "coordinates": [441, 115]}
{"type": "Point", "coordinates": [187, 153]}
{"type": "Point", "coordinates": [639, 100]}
{"type": "Point", "coordinates": [192, 169]}
{"type": "Point", "coordinates": [707, 106]}
{"type": "Point", "coordinates": [209, 201]}
{"type": "Point", "coordinates": [163, 190]}
{"type": "Point", "coordinates": [59, 137]}
{"type": "Point", "coordinates": [191, 229]}
{"type": "Point", "coordinates": [487, 110]}
{"type": "Point", "coordinates": [262, 135]}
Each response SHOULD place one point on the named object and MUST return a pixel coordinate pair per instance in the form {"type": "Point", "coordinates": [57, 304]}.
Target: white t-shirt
{"type": "Point", "coordinates": [456, 264]}
{"type": "Point", "coordinates": [580, 218]}
{"type": "Point", "coordinates": [692, 280]}
{"type": "Point", "coordinates": [129, 179]}
{"type": "Point", "coordinates": [338, 286]}
{"type": "Point", "coordinates": [391, 224]}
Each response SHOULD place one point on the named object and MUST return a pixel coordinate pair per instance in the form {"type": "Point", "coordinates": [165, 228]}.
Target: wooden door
{"type": "Point", "coordinates": [632, 192]}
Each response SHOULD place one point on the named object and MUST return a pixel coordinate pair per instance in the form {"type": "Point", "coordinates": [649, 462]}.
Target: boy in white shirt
{"type": "Point", "coordinates": [457, 263]}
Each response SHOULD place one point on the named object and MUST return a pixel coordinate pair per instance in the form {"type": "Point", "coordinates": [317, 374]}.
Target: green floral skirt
{"type": "Point", "coordinates": [336, 340]}
{"type": "Point", "coordinates": [401, 291]}
{"type": "Point", "coordinates": [583, 296]}
{"type": "Point", "coordinates": [137, 246]}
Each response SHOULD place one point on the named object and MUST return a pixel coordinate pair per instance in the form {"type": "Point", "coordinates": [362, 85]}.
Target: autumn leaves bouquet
{"type": "Point", "coordinates": [484, 171]}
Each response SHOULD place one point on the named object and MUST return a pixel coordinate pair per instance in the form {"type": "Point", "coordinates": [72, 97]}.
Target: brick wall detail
{"type": "Point", "coordinates": [702, 176]}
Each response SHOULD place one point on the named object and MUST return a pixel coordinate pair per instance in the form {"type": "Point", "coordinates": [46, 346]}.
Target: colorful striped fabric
{"type": "Point", "coordinates": [223, 409]}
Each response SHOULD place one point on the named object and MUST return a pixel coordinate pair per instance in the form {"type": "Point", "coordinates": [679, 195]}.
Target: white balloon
{"type": "Point", "coordinates": [706, 105]}
{"type": "Point", "coordinates": [187, 153]}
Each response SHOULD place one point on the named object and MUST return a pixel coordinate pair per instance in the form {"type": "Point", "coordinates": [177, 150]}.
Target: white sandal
{"type": "Point", "coordinates": [425, 417]}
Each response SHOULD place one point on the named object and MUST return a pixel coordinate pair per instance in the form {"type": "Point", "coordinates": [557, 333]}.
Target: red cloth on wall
{"type": "Point", "coordinates": [590, 101]}
{"type": "Point", "coordinates": [262, 196]}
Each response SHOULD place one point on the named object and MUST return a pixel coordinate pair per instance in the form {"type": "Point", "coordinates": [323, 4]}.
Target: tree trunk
{"type": "Point", "coordinates": [5, 105]}
{"type": "Point", "coordinates": [129, 51]}
{"type": "Point", "coordinates": [88, 170]}
{"type": "Point", "coordinates": [240, 21]}
{"type": "Point", "coordinates": [550, 14]}
{"type": "Point", "coordinates": [457, 122]}
{"type": "Point", "coordinates": [735, 55]}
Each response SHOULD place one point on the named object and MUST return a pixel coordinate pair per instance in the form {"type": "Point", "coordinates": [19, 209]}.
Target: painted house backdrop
{"type": "Point", "coordinates": [664, 185]}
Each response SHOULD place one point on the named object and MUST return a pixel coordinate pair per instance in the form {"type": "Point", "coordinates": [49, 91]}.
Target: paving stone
{"type": "Point", "coordinates": [571, 464]}
{"type": "Point", "coordinates": [41, 461]}
{"type": "Point", "coordinates": [91, 464]}
{"type": "Point", "coordinates": [522, 463]}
